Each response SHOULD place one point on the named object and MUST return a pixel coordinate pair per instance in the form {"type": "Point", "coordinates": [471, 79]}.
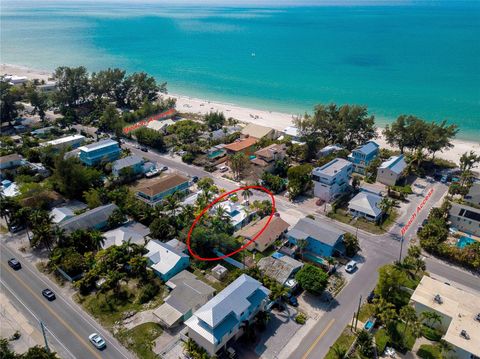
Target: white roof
{"type": "Point", "coordinates": [163, 256]}
{"type": "Point", "coordinates": [332, 168]}
{"type": "Point", "coordinates": [61, 213]}
{"type": "Point", "coordinates": [461, 306]}
{"type": "Point", "coordinates": [396, 164]}
{"type": "Point", "coordinates": [160, 125]}
{"type": "Point", "coordinates": [291, 131]}
{"type": "Point", "coordinates": [61, 140]}
{"type": "Point", "coordinates": [134, 231]}
{"type": "Point", "coordinates": [11, 191]}
{"type": "Point", "coordinates": [238, 211]}
{"type": "Point", "coordinates": [366, 202]}
{"type": "Point", "coordinates": [97, 145]}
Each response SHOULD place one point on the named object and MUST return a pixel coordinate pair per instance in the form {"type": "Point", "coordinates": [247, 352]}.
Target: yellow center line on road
{"type": "Point", "coordinates": [314, 344]}
{"type": "Point", "coordinates": [70, 329]}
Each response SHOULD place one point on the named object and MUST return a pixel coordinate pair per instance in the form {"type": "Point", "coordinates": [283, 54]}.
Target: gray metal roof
{"type": "Point", "coordinates": [89, 219]}
{"type": "Point", "coordinates": [396, 164]}
{"type": "Point", "coordinates": [233, 298]}
{"type": "Point", "coordinates": [320, 231]}
{"type": "Point", "coordinates": [367, 148]}
{"type": "Point", "coordinates": [189, 292]}
{"type": "Point", "coordinates": [279, 269]}
{"type": "Point", "coordinates": [366, 202]}
{"type": "Point", "coordinates": [127, 162]}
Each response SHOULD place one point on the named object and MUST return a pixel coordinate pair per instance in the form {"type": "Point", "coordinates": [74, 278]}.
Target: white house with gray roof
{"type": "Point", "coordinates": [187, 294]}
{"type": "Point", "coordinates": [165, 260]}
{"type": "Point", "coordinates": [366, 205]}
{"type": "Point", "coordinates": [332, 179]}
{"type": "Point", "coordinates": [134, 162]}
{"type": "Point", "coordinates": [223, 318]}
{"type": "Point", "coordinates": [391, 170]}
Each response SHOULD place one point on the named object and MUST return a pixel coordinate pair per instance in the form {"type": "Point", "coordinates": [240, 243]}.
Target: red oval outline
{"type": "Point", "coordinates": [260, 188]}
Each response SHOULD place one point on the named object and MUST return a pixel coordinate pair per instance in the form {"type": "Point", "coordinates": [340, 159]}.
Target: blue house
{"type": "Point", "coordinates": [134, 162]}
{"type": "Point", "coordinates": [165, 260]}
{"type": "Point", "coordinates": [223, 319]}
{"type": "Point", "coordinates": [363, 155]}
{"type": "Point", "coordinates": [94, 153]}
{"type": "Point", "coordinates": [163, 187]}
{"type": "Point", "coordinates": [323, 239]}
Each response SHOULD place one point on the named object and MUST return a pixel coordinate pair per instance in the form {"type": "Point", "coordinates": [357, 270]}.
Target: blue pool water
{"type": "Point", "coordinates": [216, 153]}
{"type": "Point", "coordinates": [464, 241]}
{"type": "Point", "coordinates": [277, 255]}
{"type": "Point", "coordinates": [368, 325]}
{"type": "Point", "coordinates": [313, 258]}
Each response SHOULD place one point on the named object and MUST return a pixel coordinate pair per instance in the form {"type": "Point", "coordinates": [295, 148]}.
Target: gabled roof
{"type": "Point", "coordinates": [134, 231]}
{"type": "Point", "coordinates": [367, 148]}
{"type": "Point", "coordinates": [280, 269]}
{"type": "Point", "coordinates": [269, 152]}
{"type": "Point", "coordinates": [89, 219]}
{"type": "Point", "coordinates": [320, 231]}
{"type": "Point", "coordinates": [10, 158]}
{"type": "Point", "coordinates": [61, 214]}
{"type": "Point", "coordinates": [366, 202]}
{"type": "Point", "coordinates": [234, 298]}
{"type": "Point", "coordinates": [176, 244]}
{"type": "Point", "coordinates": [188, 293]}
{"type": "Point", "coordinates": [241, 144]}
{"type": "Point", "coordinates": [257, 131]}
{"type": "Point", "coordinates": [163, 184]}
{"type": "Point", "coordinates": [163, 256]}
{"type": "Point", "coordinates": [396, 164]}
{"type": "Point", "coordinates": [127, 162]}
{"type": "Point", "coordinates": [276, 227]}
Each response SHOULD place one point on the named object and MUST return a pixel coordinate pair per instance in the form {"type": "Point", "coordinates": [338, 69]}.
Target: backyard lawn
{"type": "Point", "coordinates": [140, 339]}
{"type": "Point", "coordinates": [342, 216]}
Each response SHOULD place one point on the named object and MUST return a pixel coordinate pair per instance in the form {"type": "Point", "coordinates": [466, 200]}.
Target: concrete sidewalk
{"type": "Point", "coordinates": [13, 320]}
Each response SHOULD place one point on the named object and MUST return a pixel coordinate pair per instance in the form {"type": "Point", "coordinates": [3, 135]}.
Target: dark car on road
{"type": "Point", "coordinates": [371, 297]}
{"type": "Point", "coordinates": [144, 149]}
{"type": "Point", "coordinates": [195, 179]}
{"type": "Point", "coordinates": [16, 228]}
{"type": "Point", "coordinates": [14, 263]}
{"type": "Point", "coordinates": [47, 293]}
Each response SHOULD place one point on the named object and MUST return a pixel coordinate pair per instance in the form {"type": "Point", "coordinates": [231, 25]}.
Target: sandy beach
{"type": "Point", "coordinates": [276, 120]}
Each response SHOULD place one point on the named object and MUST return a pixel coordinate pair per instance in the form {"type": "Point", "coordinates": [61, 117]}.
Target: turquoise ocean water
{"type": "Point", "coordinates": [421, 59]}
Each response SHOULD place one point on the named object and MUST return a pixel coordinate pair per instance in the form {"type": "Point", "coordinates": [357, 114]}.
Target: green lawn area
{"type": "Point", "coordinates": [217, 285]}
{"type": "Point", "coordinates": [342, 216]}
{"type": "Point", "coordinates": [140, 339]}
{"type": "Point", "coordinates": [427, 351]}
{"type": "Point", "coordinates": [400, 342]}
{"type": "Point", "coordinates": [344, 341]}
{"type": "Point", "coordinates": [366, 311]}
{"type": "Point", "coordinates": [109, 307]}
{"type": "Point", "coordinates": [431, 334]}
{"type": "Point", "coordinates": [382, 339]}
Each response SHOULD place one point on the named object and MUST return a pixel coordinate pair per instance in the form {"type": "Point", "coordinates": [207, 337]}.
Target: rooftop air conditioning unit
{"type": "Point", "coordinates": [464, 334]}
{"type": "Point", "coordinates": [438, 299]}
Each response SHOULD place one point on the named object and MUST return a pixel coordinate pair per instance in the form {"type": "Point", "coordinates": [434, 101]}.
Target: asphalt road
{"type": "Point", "coordinates": [67, 325]}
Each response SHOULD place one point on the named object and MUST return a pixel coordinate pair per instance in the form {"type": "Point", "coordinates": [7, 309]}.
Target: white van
{"type": "Point", "coordinates": [351, 267]}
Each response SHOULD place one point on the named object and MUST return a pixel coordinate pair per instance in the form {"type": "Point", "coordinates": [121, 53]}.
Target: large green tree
{"type": "Point", "coordinates": [299, 180]}
{"type": "Point", "coordinates": [72, 179]}
{"type": "Point", "coordinates": [9, 106]}
{"type": "Point", "coordinates": [73, 86]}
{"type": "Point", "coordinates": [312, 279]}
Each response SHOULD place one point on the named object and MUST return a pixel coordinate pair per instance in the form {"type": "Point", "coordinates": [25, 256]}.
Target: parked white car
{"type": "Point", "coordinates": [223, 169]}
{"type": "Point", "coordinates": [351, 267]}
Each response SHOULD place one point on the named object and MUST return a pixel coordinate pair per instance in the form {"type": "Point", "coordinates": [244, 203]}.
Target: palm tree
{"type": "Point", "coordinates": [386, 205]}
{"type": "Point", "coordinates": [339, 351]}
{"type": "Point", "coordinates": [302, 244]}
{"type": "Point", "coordinates": [43, 234]}
{"type": "Point", "coordinates": [172, 204]}
{"type": "Point", "coordinates": [445, 347]}
{"type": "Point", "coordinates": [431, 318]}
{"type": "Point", "coordinates": [246, 194]}
{"type": "Point", "coordinates": [409, 316]}
{"type": "Point", "coordinates": [331, 262]}
{"type": "Point", "coordinates": [97, 240]}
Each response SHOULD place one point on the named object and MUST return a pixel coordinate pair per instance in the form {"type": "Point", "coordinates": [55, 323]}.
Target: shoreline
{"type": "Point", "coordinates": [274, 119]}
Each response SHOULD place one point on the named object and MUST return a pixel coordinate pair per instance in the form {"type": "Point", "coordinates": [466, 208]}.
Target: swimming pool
{"type": "Point", "coordinates": [216, 153]}
{"type": "Point", "coordinates": [464, 241]}
{"type": "Point", "coordinates": [313, 258]}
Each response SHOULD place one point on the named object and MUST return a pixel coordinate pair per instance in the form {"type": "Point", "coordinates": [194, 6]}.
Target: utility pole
{"type": "Point", "coordinates": [401, 249]}
{"type": "Point", "coordinates": [44, 336]}
{"type": "Point", "coordinates": [358, 312]}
